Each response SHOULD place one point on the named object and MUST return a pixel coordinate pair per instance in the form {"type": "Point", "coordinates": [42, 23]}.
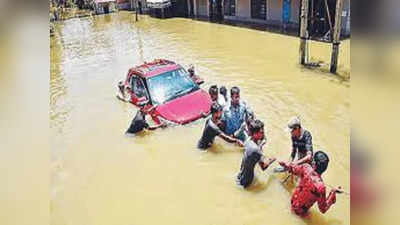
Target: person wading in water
{"type": "Point", "coordinates": [139, 122]}
{"type": "Point", "coordinates": [301, 145]}
{"type": "Point", "coordinates": [194, 77]}
{"type": "Point", "coordinates": [301, 142]}
{"type": "Point", "coordinates": [215, 97]}
{"type": "Point", "coordinates": [235, 114]}
{"type": "Point", "coordinates": [311, 187]}
{"type": "Point", "coordinates": [253, 154]}
{"type": "Point", "coordinates": [211, 129]}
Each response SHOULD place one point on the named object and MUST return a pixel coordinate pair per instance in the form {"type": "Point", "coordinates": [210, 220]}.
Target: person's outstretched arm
{"type": "Point", "coordinates": [205, 114]}
{"type": "Point", "coordinates": [241, 129]}
{"type": "Point", "coordinates": [307, 158]}
{"type": "Point", "coordinates": [325, 203]}
{"type": "Point", "coordinates": [264, 164]}
{"type": "Point", "coordinates": [231, 139]}
{"type": "Point", "coordinates": [293, 168]}
{"type": "Point", "coordinates": [161, 125]}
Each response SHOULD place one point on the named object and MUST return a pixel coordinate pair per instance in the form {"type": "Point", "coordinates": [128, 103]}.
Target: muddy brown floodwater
{"type": "Point", "coordinates": [101, 177]}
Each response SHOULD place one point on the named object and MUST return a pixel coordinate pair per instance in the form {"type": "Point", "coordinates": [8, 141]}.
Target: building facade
{"type": "Point", "coordinates": [104, 6]}
{"type": "Point", "coordinates": [141, 4]}
{"type": "Point", "coordinates": [269, 12]}
{"type": "Point", "coordinates": [124, 4]}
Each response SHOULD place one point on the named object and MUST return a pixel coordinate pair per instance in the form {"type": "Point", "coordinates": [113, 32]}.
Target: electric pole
{"type": "Point", "coordinates": [137, 8]}
{"type": "Point", "coordinates": [303, 31]}
{"type": "Point", "coordinates": [336, 36]}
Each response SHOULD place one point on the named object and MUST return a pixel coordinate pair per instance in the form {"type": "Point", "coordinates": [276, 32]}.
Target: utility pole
{"type": "Point", "coordinates": [303, 31]}
{"type": "Point", "coordinates": [336, 36]}
{"type": "Point", "coordinates": [136, 10]}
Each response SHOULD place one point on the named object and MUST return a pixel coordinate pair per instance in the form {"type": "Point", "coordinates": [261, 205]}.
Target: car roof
{"type": "Point", "coordinates": [156, 67]}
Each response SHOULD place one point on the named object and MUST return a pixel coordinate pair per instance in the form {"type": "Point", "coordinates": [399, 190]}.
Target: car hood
{"type": "Point", "coordinates": [186, 108]}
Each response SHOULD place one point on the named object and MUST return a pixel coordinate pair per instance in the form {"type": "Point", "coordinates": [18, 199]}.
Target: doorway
{"type": "Point", "coordinates": [106, 9]}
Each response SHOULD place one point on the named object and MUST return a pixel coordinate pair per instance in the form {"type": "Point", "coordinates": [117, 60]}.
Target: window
{"type": "Point", "coordinates": [259, 9]}
{"type": "Point", "coordinates": [170, 85]}
{"type": "Point", "coordinates": [138, 87]}
{"type": "Point", "coordinates": [230, 7]}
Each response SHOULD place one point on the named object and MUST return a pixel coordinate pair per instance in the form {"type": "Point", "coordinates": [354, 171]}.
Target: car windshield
{"type": "Point", "coordinates": [170, 85]}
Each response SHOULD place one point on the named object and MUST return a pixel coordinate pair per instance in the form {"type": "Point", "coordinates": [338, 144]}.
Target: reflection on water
{"type": "Point", "coordinates": [100, 176]}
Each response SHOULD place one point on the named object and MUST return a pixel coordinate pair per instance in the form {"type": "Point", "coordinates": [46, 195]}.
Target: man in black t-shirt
{"type": "Point", "coordinates": [139, 123]}
{"type": "Point", "coordinates": [301, 142]}
{"type": "Point", "coordinates": [211, 129]}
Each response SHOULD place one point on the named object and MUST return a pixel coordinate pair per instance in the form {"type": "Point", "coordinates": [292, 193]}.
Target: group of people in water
{"type": "Point", "coordinates": [233, 121]}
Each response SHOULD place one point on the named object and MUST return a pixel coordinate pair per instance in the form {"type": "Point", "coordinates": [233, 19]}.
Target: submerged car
{"type": "Point", "coordinates": [167, 87]}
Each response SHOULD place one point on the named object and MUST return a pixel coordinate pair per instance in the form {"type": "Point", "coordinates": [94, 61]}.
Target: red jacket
{"type": "Point", "coordinates": [311, 189]}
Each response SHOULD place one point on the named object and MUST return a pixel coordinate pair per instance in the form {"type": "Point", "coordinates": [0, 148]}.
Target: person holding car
{"type": "Point", "coordinates": [194, 77]}
{"type": "Point", "coordinates": [234, 114]}
{"type": "Point", "coordinates": [212, 129]}
{"type": "Point", "coordinates": [139, 122]}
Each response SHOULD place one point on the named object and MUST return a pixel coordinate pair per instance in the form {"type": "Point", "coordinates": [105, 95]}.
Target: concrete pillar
{"type": "Point", "coordinates": [188, 6]}
{"type": "Point", "coordinates": [208, 8]}
{"type": "Point", "coordinates": [195, 8]}
{"type": "Point", "coordinates": [303, 31]}
{"type": "Point", "coordinates": [336, 36]}
{"type": "Point", "coordinates": [223, 8]}
{"type": "Point", "coordinates": [236, 7]}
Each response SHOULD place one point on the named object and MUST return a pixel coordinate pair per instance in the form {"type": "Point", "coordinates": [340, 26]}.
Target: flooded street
{"type": "Point", "coordinates": [101, 177]}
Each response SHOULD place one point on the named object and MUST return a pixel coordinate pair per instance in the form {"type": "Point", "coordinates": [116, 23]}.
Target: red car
{"type": "Point", "coordinates": [169, 88]}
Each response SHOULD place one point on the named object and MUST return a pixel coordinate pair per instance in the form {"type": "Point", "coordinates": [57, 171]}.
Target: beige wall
{"type": "Point", "coordinates": [243, 8]}
{"type": "Point", "coordinates": [295, 11]}
{"type": "Point", "coordinates": [274, 10]}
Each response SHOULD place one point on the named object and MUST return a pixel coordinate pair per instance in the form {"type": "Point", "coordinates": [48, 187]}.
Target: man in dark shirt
{"type": "Point", "coordinates": [301, 142]}
{"type": "Point", "coordinates": [139, 122]}
{"type": "Point", "coordinates": [253, 154]}
{"type": "Point", "coordinates": [211, 129]}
